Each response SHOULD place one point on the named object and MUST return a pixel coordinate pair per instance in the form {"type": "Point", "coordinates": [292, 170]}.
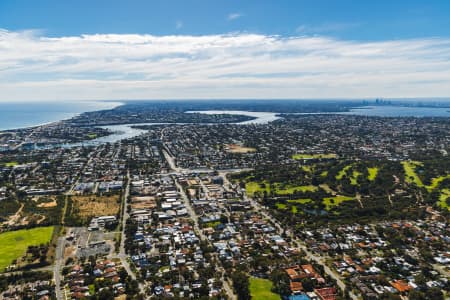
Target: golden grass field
{"type": "Point", "coordinates": [91, 206]}
{"type": "Point", "coordinates": [51, 202]}
{"type": "Point", "coordinates": [239, 149]}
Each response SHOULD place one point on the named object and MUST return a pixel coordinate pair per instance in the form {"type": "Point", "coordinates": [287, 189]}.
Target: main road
{"type": "Point", "coordinates": [203, 237]}
{"type": "Point", "coordinates": [125, 216]}
{"type": "Point", "coordinates": [311, 256]}
{"type": "Point", "coordinates": [177, 171]}
{"type": "Point", "coordinates": [59, 260]}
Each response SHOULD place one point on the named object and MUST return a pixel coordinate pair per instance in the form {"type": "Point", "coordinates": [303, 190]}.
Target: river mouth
{"type": "Point", "coordinates": [126, 131]}
{"type": "Point", "coordinates": [259, 117]}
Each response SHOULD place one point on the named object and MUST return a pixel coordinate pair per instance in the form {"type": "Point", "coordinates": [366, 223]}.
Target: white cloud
{"type": "Point", "coordinates": [326, 27]}
{"type": "Point", "coordinates": [241, 65]}
{"type": "Point", "coordinates": [234, 16]}
{"type": "Point", "coordinates": [179, 24]}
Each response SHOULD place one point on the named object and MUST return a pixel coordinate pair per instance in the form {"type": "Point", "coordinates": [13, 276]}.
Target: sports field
{"type": "Point", "coordinates": [410, 172]}
{"type": "Point", "coordinates": [314, 156]}
{"type": "Point", "coordinates": [261, 289]}
{"type": "Point", "coordinates": [330, 202]}
{"type": "Point", "coordinates": [14, 244]}
{"type": "Point", "coordinates": [253, 187]}
{"type": "Point", "coordinates": [372, 173]}
{"type": "Point", "coordinates": [445, 194]}
{"type": "Point", "coordinates": [11, 164]}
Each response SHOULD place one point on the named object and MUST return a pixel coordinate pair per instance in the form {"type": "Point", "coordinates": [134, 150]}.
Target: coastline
{"type": "Point", "coordinates": [73, 115]}
{"type": "Point", "coordinates": [359, 110]}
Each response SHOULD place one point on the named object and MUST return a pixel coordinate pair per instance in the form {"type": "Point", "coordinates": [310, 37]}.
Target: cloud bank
{"type": "Point", "coordinates": [240, 65]}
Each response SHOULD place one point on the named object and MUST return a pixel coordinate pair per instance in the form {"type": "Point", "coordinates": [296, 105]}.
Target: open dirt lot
{"type": "Point", "coordinates": [87, 207]}
{"type": "Point", "coordinates": [239, 149]}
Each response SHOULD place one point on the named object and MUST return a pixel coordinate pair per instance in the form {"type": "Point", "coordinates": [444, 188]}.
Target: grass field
{"type": "Point", "coordinates": [11, 164]}
{"type": "Point", "coordinates": [307, 169]}
{"type": "Point", "coordinates": [373, 172]}
{"type": "Point", "coordinates": [314, 156]}
{"type": "Point", "coordinates": [330, 202]}
{"type": "Point", "coordinates": [261, 289]}
{"type": "Point", "coordinates": [291, 189]}
{"type": "Point", "coordinates": [14, 244]}
{"type": "Point", "coordinates": [87, 207]}
{"type": "Point", "coordinates": [327, 188]}
{"type": "Point", "coordinates": [211, 224]}
{"type": "Point", "coordinates": [253, 187]}
{"type": "Point", "coordinates": [280, 205]}
{"type": "Point", "coordinates": [410, 172]}
{"type": "Point", "coordinates": [91, 289]}
{"type": "Point", "coordinates": [445, 194]}
{"type": "Point", "coordinates": [294, 208]}
{"type": "Point", "coordinates": [354, 177]}
{"type": "Point", "coordinates": [299, 201]}
{"type": "Point", "coordinates": [343, 172]}
{"type": "Point", "coordinates": [435, 182]}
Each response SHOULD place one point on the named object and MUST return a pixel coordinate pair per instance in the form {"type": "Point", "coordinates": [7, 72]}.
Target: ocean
{"type": "Point", "coordinates": [26, 114]}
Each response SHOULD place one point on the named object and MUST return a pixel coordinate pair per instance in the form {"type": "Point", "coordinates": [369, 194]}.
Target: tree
{"type": "Point", "coordinates": [132, 287]}
{"type": "Point", "coordinates": [420, 279]}
{"type": "Point", "coordinates": [105, 294]}
{"type": "Point", "coordinates": [307, 284]}
{"type": "Point", "coordinates": [280, 281]}
{"type": "Point", "coordinates": [435, 294]}
{"type": "Point", "coordinates": [416, 295]}
{"type": "Point", "coordinates": [390, 296]}
{"type": "Point", "coordinates": [241, 285]}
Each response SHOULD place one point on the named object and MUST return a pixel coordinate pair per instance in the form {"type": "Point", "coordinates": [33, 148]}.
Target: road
{"type": "Point", "coordinates": [59, 262]}
{"type": "Point", "coordinates": [60, 247]}
{"type": "Point", "coordinates": [327, 270]}
{"type": "Point", "coordinates": [194, 217]}
{"type": "Point", "coordinates": [77, 181]}
{"type": "Point", "coordinates": [204, 187]}
{"type": "Point", "coordinates": [226, 286]}
{"type": "Point", "coordinates": [171, 161]}
{"type": "Point", "coordinates": [169, 158]}
{"type": "Point", "coordinates": [309, 254]}
{"type": "Point", "coordinates": [190, 210]}
{"type": "Point", "coordinates": [15, 218]}
{"type": "Point", "coordinates": [179, 171]}
{"type": "Point", "coordinates": [125, 216]}
{"type": "Point", "coordinates": [72, 188]}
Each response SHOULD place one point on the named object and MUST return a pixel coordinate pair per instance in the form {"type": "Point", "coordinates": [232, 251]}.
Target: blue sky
{"type": "Point", "coordinates": [223, 49]}
{"type": "Point", "coordinates": [361, 20]}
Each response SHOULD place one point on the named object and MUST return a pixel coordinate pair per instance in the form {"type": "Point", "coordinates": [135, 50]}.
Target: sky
{"type": "Point", "coordinates": [136, 49]}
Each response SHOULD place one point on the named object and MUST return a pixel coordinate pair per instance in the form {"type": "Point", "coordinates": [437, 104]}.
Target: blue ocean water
{"type": "Point", "coordinates": [27, 114]}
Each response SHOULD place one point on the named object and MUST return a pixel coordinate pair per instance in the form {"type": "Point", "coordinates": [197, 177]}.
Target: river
{"type": "Point", "coordinates": [125, 131]}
